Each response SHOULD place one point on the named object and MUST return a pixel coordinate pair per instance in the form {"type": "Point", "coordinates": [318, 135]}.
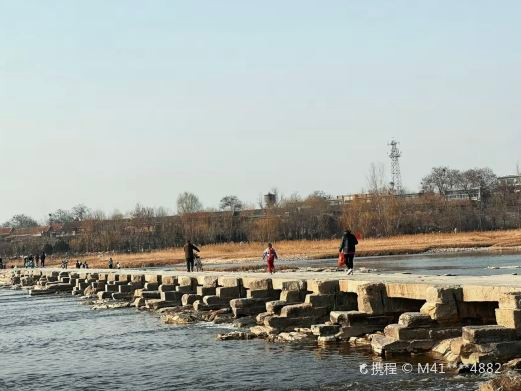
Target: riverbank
{"type": "Point", "coordinates": [508, 241]}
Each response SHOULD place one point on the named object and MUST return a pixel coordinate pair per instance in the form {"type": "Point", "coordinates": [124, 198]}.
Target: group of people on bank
{"type": "Point", "coordinates": [110, 264]}
{"type": "Point", "coordinates": [37, 260]}
{"type": "Point", "coordinates": [346, 251]}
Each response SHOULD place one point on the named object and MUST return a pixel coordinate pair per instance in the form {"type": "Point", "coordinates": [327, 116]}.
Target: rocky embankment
{"type": "Point", "coordinates": [393, 319]}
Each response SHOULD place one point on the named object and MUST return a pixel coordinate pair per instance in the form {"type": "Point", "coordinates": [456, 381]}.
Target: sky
{"type": "Point", "coordinates": [110, 103]}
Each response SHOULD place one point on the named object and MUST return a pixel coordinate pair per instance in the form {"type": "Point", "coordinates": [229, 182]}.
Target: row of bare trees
{"type": "Point", "coordinates": [377, 212]}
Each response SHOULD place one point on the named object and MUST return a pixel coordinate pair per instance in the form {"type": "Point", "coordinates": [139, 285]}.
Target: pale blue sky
{"type": "Point", "coordinates": [110, 103]}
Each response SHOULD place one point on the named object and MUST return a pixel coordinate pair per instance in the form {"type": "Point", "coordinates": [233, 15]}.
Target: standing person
{"type": "Point", "coordinates": [78, 264]}
{"type": "Point", "coordinates": [42, 259]}
{"type": "Point", "coordinates": [111, 263]}
{"type": "Point", "coordinates": [189, 255]}
{"type": "Point", "coordinates": [347, 246]}
{"type": "Point", "coordinates": [37, 260]}
{"type": "Point", "coordinates": [270, 255]}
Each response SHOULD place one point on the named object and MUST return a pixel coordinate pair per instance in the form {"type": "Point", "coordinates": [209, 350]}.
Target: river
{"type": "Point", "coordinates": [56, 343]}
{"type": "Point", "coordinates": [471, 264]}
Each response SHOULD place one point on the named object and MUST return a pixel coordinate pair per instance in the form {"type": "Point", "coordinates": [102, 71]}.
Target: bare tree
{"type": "Point", "coordinates": [141, 211]}
{"type": "Point", "coordinates": [96, 214]}
{"type": "Point", "coordinates": [80, 212]}
{"type": "Point", "coordinates": [294, 200]}
{"type": "Point", "coordinates": [376, 179]}
{"type": "Point", "coordinates": [116, 215]}
{"type": "Point", "coordinates": [477, 178]}
{"type": "Point", "coordinates": [20, 221]}
{"type": "Point", "coordinates": [61, 216]}
{"type": "Point", "coordinates": [188, 203]}
{"type": "Point", "coordinates": [161, 211]}
{"type": "Point", "coordinates": [231, 203]}
{"type": "Point", "coordinates": [441, 180]}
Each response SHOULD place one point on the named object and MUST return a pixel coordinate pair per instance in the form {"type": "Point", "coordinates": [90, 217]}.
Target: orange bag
{"type": "Point", "coordinates": [341, 259]}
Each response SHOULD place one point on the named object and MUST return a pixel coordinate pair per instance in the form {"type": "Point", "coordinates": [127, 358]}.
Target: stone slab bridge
{"type": "Point", "coordinates": [467, 319]}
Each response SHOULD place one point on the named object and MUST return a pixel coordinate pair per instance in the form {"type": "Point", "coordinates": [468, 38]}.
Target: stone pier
{"type": "Point", "coordinates": [465, 319]}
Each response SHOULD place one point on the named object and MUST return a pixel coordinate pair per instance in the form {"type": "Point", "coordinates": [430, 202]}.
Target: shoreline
{"type": "Point", "coordinates": [443, 244]}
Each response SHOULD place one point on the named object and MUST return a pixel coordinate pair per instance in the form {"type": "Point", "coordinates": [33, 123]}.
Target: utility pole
{"type": "Point", "coordinates": [396, 183]}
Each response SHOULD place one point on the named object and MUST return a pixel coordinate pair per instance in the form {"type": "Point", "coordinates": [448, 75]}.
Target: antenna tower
{"type": "Point", "coordinates": [396, 184]}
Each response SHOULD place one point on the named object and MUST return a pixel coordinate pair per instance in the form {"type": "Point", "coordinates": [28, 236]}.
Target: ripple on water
{"type": "Point", "coordinates": [52, 343]}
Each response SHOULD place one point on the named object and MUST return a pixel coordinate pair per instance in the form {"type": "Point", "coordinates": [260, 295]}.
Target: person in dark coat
{"type": "Point", "coordinates": [189, 255]}
{"type": "Point", "coordinates": [42, 259]}
{"type": "Point", "coordinates": [348, 247]}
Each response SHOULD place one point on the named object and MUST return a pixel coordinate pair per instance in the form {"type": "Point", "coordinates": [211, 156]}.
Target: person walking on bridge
{"type": "Point", "coordinates": [189, 255]}
{"type": "Point", "coordinates": [270, 255]}
{"type": "Point", "coordinates": [347, 246]}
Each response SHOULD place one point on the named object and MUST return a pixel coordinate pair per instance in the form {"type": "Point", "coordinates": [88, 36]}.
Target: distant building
{"type": "Point", "coordinates": [270, 199]}
{"type": "Point", "coordinates": [473, 194]}
{"type": "Point", "coordinates": [30, 232]}
{"type": "Point", "coordinates": [5, 231]}
{"type": "Point", "coordinates": [510, 181]}
{"type": "Point", "coordinates": [366, 197]}
{"type": "Point", "coordinates": [348, 198]}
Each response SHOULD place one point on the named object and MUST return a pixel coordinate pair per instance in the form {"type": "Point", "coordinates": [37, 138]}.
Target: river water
{"type": "Point", "coordinates": [477, 264]}
{"type": "Point", "coordinates": [56, 343]}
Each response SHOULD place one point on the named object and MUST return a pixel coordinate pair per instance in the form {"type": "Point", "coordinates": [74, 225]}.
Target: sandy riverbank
{"type": "Point", "coordinates": [490, 241]}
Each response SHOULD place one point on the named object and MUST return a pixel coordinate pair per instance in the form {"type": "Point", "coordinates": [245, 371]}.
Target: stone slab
{"type": "Point", "coordinates": [488, 333]}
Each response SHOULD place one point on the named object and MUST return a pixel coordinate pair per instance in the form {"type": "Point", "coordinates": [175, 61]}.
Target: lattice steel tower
{"type": "Point", "coordinates": [396, 183]}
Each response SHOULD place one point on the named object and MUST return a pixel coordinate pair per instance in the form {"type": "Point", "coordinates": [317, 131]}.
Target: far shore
{"type": "Point", "coordinates": [508, 241]}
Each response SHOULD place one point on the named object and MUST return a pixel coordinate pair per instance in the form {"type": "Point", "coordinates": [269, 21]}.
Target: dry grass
{"type": "Point", "coordinates": [228, 252]}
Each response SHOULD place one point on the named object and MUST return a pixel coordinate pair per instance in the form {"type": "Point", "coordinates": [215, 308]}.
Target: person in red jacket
{"type": "Point", "coordinates": [270, 255]}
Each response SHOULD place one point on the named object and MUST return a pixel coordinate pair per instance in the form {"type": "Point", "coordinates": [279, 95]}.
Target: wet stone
{"type": "Point", "coordinates": [489, 333]}
{"type": "Point", "coordinates": [150, 294]}
{"type": "Point", "coordinates": [206, 290]}
{"type": "Point", "coordinates": [178, 318]}
{"type": "Point", "coordinates": [184, 289]}
{"type": "Point", "coordinates": [262, 316]}
{"type": "Point", "coordinates": [274, 307]}
{"type": "Point", "coordinates": [246, 321]}
{"type": "Point", "coordinates": [236, 335]}
{"type": "Point", "coordinates": [166, 288]}
{"type": "Point", "coordinates": [415, 319]}
{"type": "Point", "coordinates": [151, 286]}
{"type": "Point", "coordinates": [171, 296]}
{"type": "Point", "coordinates": [401, 332]}
{"type": "Point", "coordinates": [348, 318]}
{"type": "Point", "coordinates": [216, 300]}
{"type": "Point", "coordinates": [189, 298]}
{"type": "Point", "coordinates": [325, 329]}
